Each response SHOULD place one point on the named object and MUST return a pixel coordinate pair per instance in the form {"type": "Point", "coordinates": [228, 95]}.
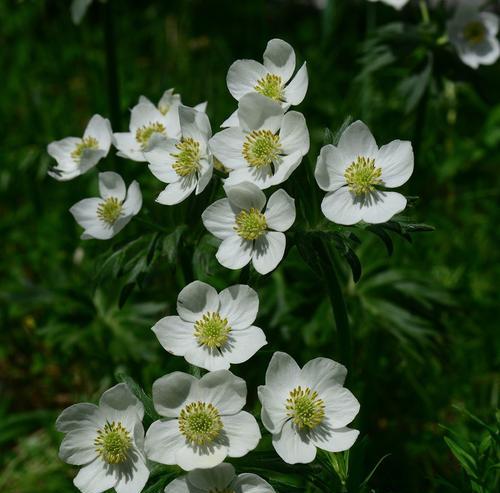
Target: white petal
{"type": "Point", "coordinates": [280, 211]}
{"type": "Point", "coordinates": [195, 125]}
{"type": "Point", "coordinates": [100, 128]}
{"type": "Point", "coordinates": [322, 374]}
{"type": "Point", "coordinates": [357, 140]}
{"type": "Point", "coordinates": [79, 9]}
{"type": "Point", "coordinates": [171, 393]}
{"type": "Point", "coordinates": [251, 483]}
{"type": "Point", "coordinates": [85, 214]}
{"type": "Point", "coordinates": [489, 51]}
{"type": "Point", "coordinates": [177, 191]}
{"type": "Point", "coordinates": [201, 457]}
{"type": "Point", "coordinates": [285, 167]}
{"type": "Point", "coordinates": [111, 185]}
{"type": "Point", "coordinates": [175, 335]}
{"type": "Point", "coordinates": [341, 406]}
{"type": "Point", "coordinates": [180, 485]}
{"type": "Point", "coordinates": [490, 20]}
{"type": "Point", "coordinates": [211, 359]}
{"type": "Point", "coordinates": [381, 206]}
{"type": "Point", "coordinates": [333, 440]}
{"type": "Point", "coordinates": [246, 343]}
{"type": "Point", "coordinates": [133, 202]}
{"type": "Point", "coordinates": [78, 446]}
{"type": "Point", "coordinates": [163, 441]}
{"type": "Point", "coordinates": [223, 389]}
{"type": "Point", "coordinates": [239, 304]}
{"type": "Point", "coordinates": [144, 114]}
{"type": "Point", "coordinates": [256, 112]}
{"type": "Point", "coordinates": [61, 150]}
{"type": "Point", "coordinates": [89, 158]}
{"type": "Point", "coordinates": [293, 446]}
{"type": "Point", "coordinates": [242, 77]}
{"type": "Point", "coordinates": [330, 168]}
{"type": "Point", "coordinates": [294, 136]}
{"type": "Point", "coordinates": [231, 121]}
{"type": "Point", "coordinates": [95, 477]}
{"type": "Point", "coordinates": [204, 174]}
{"type": "Point", "coordinates": [342, 207]}
{"type": "Point", "coordinates": [227, 147]}
{"type": "Point", "coordinates": [201, 107]}
{"type": "Point", "coordinates": [261, 177]}
{"type": "Point", "coordinates": [128, 147]}
{"type": "Point", "coordinates": [295, 91]}
{"type": "Point", "coordinates": [246, 196]}
{"type": "Point", "coordinates": [196, 299]}
{"type": "Point", "coordinates": [279, 58]}
{"type": "Point", "coordinates": [283, 372]}
{"type": "Point", "coordinates": [219, 477]}
{"type": "Point", "coordinates": [268, 251]}
{"type": "Point", "coordinates": [80, 416]}
{"type": "Point", "coordinates": [243, 433]}
{"type": "Point", "coordinates": [234, 252]}
{"type": "Point", "coordinates": [160, 161]}
{"type": "Point", "coordinates": [133, 477]}
{"type": "Point", "coordinates": [273, 400]}
{"type": "Point", "coordinates": [220, 219]}
{"type": "Point", "coordinates": [120, 404]}
{"type": "Point", "coordinates": [396, 161]}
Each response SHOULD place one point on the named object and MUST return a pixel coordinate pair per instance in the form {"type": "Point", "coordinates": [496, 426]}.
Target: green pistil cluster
{"type": "Point", "coordinates": [250, 224]}
{"type": "Point", "coordinates": [261, 148]}
{"type": "Point", "coordinates": [113, 443]}
{"type": "Point", "coordinates": [212, 330]}
{"type": "Point", "coordinates": [143, 134]}
{"type": "Point", "coordinates": [271, 86]}
{"type": "Point", "coordinates": [188, 158]}
{"type": "Point", "coordinates": [362, 176]}
{"type": "Point", "coordinates": [200, 423]}
{"type": "Point", "coordinates": [109, 210]}
{"type": "Point", "coordinates": [474, 32]}
{"type": "Point", "coordinates": [305, 408]}
{"type": "Point", "coordinates": [86, 143]}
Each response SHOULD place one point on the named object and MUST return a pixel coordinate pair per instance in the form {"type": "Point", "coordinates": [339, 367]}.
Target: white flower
{"type": "Point", "coordinates": [271, 79]}
{"type": "Point", "coordinates": [220, 479]}
{"type": "Point", "coordinates": [474, 35]}
{"type": "Point", "coordinates": [185, 163]}
{"type": "Point", "coordinates": [267, 145]}
{"type": "Point", "coordinates": [148, 127]}
{"type": "Point", "coordinates": [307, 408]}
{"type": "Point", "coordinates": [170, 100]}
{"type": "Point", "coordinates": [353, 172]}
{"type": "Point", "coordinates": [204, 422]}
{"type": "Point", "coordinates": [247, 233]}
{"type": "Point", "coordinates": [107, 440]}
{"type": "Point", "coordinates": [213, 330]}
{"type": "Point", "coordinates": [79, 9]}
{"type": "Point", "coordinates": [397, 4]}
{"type": "Point", "coordinates": [75, 155]}
{"type": "Point", "coordinates": [105, 216]}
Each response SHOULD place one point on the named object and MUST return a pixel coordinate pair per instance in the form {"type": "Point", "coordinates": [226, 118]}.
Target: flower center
{"type": "Point", "coordinates": [200, 423]}
{"type": "Point", "coordinates": [113, 443]}
{"type": "Point", "coordinates": [261, 147]}
{"type": "Point", "coordinates": [86, 143]}
{"type": "Point", "coordinates": [144, 133]}
{"type": "Point", "coordinates": [271, 86]}
{"type": "Point", "coordinates": [250, 224]}
{"type": "Point", "coordinates": [305, 408]}
{"type": "Point", "coordinates": [474, 32]}
{"type": "Point", "coordinates": [362, 175]}
{"type": "Point", "coordinates": [211, 330]}
{"type": "Point", "coordinates": [109, 210]}
{"type": "Point", "coordinates": [188, 158]}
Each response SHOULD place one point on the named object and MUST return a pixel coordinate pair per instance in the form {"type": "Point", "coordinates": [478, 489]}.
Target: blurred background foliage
{"type": "Point", "coordinates": [424, 321]}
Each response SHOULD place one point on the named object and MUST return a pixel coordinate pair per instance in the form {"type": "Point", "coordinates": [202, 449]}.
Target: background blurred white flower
{"type": "Point", "coordinates": [221, 478]}
{"type": "Point", "coordinates": [107, 440]}
{"type": "Point", "coordinates": [213, 330]}
{"type": "Point", "coordinates": [204, 422]}
{"type": "Point", "coordinates": [307, 408]}
{"type": "Point", "coordinates": [185, 163]}
{"type": "Point", "coordinates": [354, 172]}
{"type": "Point", "coordinates": [474, 35]}
{"type": "Point", "coordinates": [247, 233]}
{"type": "Point", "coordinates": [75, 155]}
{"type": "Point", "coordinates": [103, 217]}
{"type": "Point", "coordinates": [397, 4]}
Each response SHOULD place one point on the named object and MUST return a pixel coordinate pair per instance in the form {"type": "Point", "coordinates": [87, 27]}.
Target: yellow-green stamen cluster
{"type": "Point", "coordinates": [271, 86]}
{"type": "Point", "coordinates": [474, 32]}
{"type": "Point", "coordinates": [188, 158]}
{"type": "Point", "coordinates": [212, 330]}
{"type": "Point", "coordinates": [250, 224]}
{"type": "Point", "coordinates": [113, 443]}
{"type": "Point", "coordinates": [200, 423]}
{"type": "Point", "coordinates": [109, 210]}
{"type": "Point", "coordinates": [305, 408]}
{"type": "Point", "coordinates": [144, 133]}
{"type": "Point", "coordinates": [362, 176]}
{"type": "Point", "coordinates": [261, 148]}
{"type": "Point", "coordinates": [86, 143]}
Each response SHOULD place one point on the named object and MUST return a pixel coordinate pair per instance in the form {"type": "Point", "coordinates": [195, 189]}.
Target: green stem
{"type": "Point", "coordinates": [424, 11]}
{"type": "Point", "coordinates": [111, 65]}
